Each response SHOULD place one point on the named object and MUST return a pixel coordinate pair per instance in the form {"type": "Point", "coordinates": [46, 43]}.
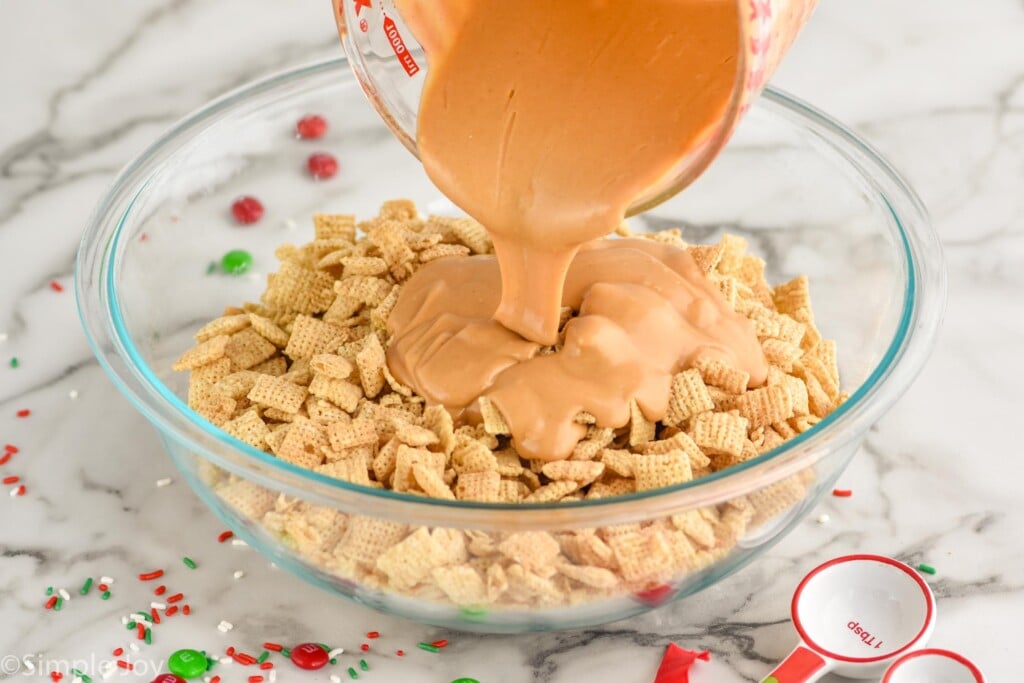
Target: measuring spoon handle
{"type": "Point", "coordinates": [801, 666]}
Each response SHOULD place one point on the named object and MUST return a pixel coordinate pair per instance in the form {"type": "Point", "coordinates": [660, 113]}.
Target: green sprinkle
{"type": "Point", "coordinates": [475, 614]}
{"type": "Point", "coordinates": [145, 617]}
{"type": "Point", "coordinates": [263, 657]}
{"type": "Point", "coordinates": [334, 661]}
{"type": "Point", "coordinates": [81, 674]}
{"type": "Point", "coordinates": [286, 652]}
{"type": "Point", "coordinates": [49, 590]}
{"type": "Point", "coordinates": [14, 362]}
{"type": "Point", "coordinates": [926, 568]}
{"type": "Point", "coordinates": [149, 637]}
{"type": "Point", "coordinates": [57, 605]}
{"type": "Point", "coordinates": [324, 647]}
{"type": "Point", "coordinates": [210, 663]}
{"type": "Point", "coordinates": [189, 562]}
{"type": "Point", "coordinates": [236, 262]}
{"type": "Point", "coordinates": [105, 596]}
{"type": "Point", "coordinates": [363, 665]}
{"type": "Point", "coordinates": [211, 268]}
{"type": "Point", "coordinates": [352, 673]}
{"type": "Point", "coordinates": [130, 625]}
{"type": "Point", "coordinates": [428, 647]}
{"type": "Point", "coordinates": [86, 586]}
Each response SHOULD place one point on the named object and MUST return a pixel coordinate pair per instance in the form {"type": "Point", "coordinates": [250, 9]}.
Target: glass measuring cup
{"type": "Point", "coordinates": [391, 67]}
{"type": "Point", "coordinates": [855, 615]}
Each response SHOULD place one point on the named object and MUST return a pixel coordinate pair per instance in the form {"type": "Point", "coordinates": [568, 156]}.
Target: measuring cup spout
{"type": "Point", "coordinates": [801, 666]}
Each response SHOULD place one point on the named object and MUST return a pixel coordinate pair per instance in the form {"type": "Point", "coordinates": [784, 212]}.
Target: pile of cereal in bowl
{"type": "Point", "coordinates": [304, 376]}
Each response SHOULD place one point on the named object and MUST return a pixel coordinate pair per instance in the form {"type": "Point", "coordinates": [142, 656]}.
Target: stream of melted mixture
{"type": "Point", "coordinates": [544, 120]}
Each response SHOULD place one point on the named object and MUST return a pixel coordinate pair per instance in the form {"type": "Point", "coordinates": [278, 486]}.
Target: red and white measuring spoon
{"type": "Point", "coordinates": [855, 615]}
{"type": "Point", "coordinates": [933, 666]}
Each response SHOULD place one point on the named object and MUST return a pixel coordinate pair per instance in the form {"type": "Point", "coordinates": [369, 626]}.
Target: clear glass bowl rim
{"type": "Point", "coordinates": [99, 309]}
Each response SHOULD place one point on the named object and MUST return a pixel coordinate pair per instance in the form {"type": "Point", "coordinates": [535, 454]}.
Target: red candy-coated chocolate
{"type": "Point", "coordinates": [309, 656]}
{"type": "Point", "coordinates": [168, 678]}
{"type": "Point", "coordinates": [322, 166]}
{"type": "Point", "coordinates": [311, 127]}
{"type": "Point", "coordinates": [247, 210]}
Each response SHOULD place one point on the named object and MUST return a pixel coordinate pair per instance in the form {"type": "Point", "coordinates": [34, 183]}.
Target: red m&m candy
{"type": "Point", "coordinates": [168, 678]}
{"type": "Point", "coordinates": [309, 656]}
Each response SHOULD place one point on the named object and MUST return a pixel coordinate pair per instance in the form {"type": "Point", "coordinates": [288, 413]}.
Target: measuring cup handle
{"type": "Point", "coordinates": [801, 666]}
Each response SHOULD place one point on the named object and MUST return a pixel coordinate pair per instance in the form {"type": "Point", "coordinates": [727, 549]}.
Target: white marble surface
{"type": "Point", "coordinates": [937, 86]}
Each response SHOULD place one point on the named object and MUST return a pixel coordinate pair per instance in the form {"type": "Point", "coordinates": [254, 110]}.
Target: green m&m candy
{"type": "Point", "coordinates": [465, 680]}
{"type": "Point", "coordinates": [236, 262]}
{"type": "Point", "coordinates": [187, 663]}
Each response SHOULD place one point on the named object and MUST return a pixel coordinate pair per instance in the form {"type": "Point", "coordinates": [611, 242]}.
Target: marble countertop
{"type": "Point", "coordinates": [937, 87]}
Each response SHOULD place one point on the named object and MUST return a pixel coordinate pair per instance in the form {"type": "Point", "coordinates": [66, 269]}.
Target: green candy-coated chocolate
{"type": "Point", "coordinates": [236, 262]}
{"type": "Point", "coordinates": [187, 663]}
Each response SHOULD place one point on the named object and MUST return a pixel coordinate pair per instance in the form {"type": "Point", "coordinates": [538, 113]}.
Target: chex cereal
{"type": "Point", "coordinates": [302, 374]}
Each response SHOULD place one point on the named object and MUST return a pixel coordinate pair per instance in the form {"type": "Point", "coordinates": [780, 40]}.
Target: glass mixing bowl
{"type": "Point", "coordinates": [808, 195]}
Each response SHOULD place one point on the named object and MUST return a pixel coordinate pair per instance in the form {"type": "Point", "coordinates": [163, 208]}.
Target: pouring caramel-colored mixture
{"type": "Point", "coordinates": [545, 121]}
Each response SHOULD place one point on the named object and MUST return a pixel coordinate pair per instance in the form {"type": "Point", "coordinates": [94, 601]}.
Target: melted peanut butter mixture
{"type": "Point", "coordinates": [545, 120]}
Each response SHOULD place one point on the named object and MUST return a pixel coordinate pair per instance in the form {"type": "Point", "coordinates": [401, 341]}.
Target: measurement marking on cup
{"type": "Point", "coordinates": [864, 635]}
{"type": "Point", "coordinates": [398, 45]}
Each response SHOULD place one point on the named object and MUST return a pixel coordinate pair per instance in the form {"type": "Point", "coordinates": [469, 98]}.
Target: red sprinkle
{"type": "Point", "coordinates": [24, 412]}
{"type": "Point", "coordinates": [56, 286]}
{"type": "Point", "coordinates": [215, 679]}
{"type": "Point", "coordinates": [10, 480]}
{"type": "Point", "coordinates": [124, 665]}
{"type": "Point", "coordinates": [225, 535]}
{"type": "Point", "coordinates": [373, 634]}
{"type": "Point", "coordinates": [171, 611]}
{"type": "Point", "coordinates": [156, 615]}
{"type": "Point", "coordinates": [273, 647]}
{"type": "Point", "coordinates": [160, 590]}
{"type": "Point", "coordinates": [142, 631]}
{"type": "Point", "coordinates": [149, 576]}
{"type": "Point", "coordinates": [247, 210]}
{"type": "Point", "coordinates": [230, 651]}
{"type": "Point", "coordinates": [11, 448]}
{"type": "Point", "coordinates": [103, 587]}
{"type": "Point", "coordinates": [400, 653]}
{"type": "Point", "coordinates": [255, 679]}
{"type": "Point", "coordinates": [266, 665]}
{"type": "Point", "coordinates": [243, 658]}
{"type": "Point", "coordinates": [186, 610]}
{"type": "Point", "coordinates": [20, 491]}
{"type": "Point", "coordinates": [51, 602]}
{"type": "Point", "coordinates": [176, 597]}
{"type": "Point", "coordinates": [842, 493]}
{"type": "Point", "coordinates": [440, 643]}
{"type": "Point", "coordinates": [365, 647]}
{"type": "Point", "coordinates": [5, 458]}
{"type": "Point", "coordinates": [56, 676]}
{"type": "Point", "coordinates": [118, 652]}
{"type": "Point", "coordinates": [322, 166]}
{"type": "Point", "coordinates": [311, 127]}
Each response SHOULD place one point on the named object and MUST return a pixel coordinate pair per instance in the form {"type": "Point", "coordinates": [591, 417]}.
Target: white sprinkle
{"type": "Point", "coordinates": [133, 647]}
{"type": "Point", "coordinates": [108, 670]}
{"type": "Point", "coordinates": [64, 594]}
{"type": "Point", "coordinates": [3, 336]}
{"type": "Point", "coordinates": [142, 616]}
{"type": "Point", "coordinates": [225, 626]}
{"type": "Point", "coordinates": [254, 277]}
{"type": "Point", "coordinates": [158, 605]}
{"type": "Point", "coordinates": [124, 621]}
{"type": "Point", "coordinates": [238, 574]}
{"type": "Point", "coordinates": [213, 658]}
{"type": "Point", "coordinates": [207, 679]}
{"type": "Point", "coordinates": [335, 652]}
{"type": "Point", "coordinates": [238, 543]}
{"type": "Point", "coordinates": [226, 661]}
{"type": "Point", "coordinates": [273, 676]}
{"type": "Point", "coordinates": [824, 519]}
{"type": "Point", "coordinates": [335, 678]}
{"type": "Point", "coordinates": [73, 394]}
{"type": "Point", "coordinates": [107, 580]}
{"type": "Point", "coordinates": [14, 491]}
{"type": "Point", "coordinates": [289, 224]}
{"type": "Point", "coordinates": [166, 481]}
